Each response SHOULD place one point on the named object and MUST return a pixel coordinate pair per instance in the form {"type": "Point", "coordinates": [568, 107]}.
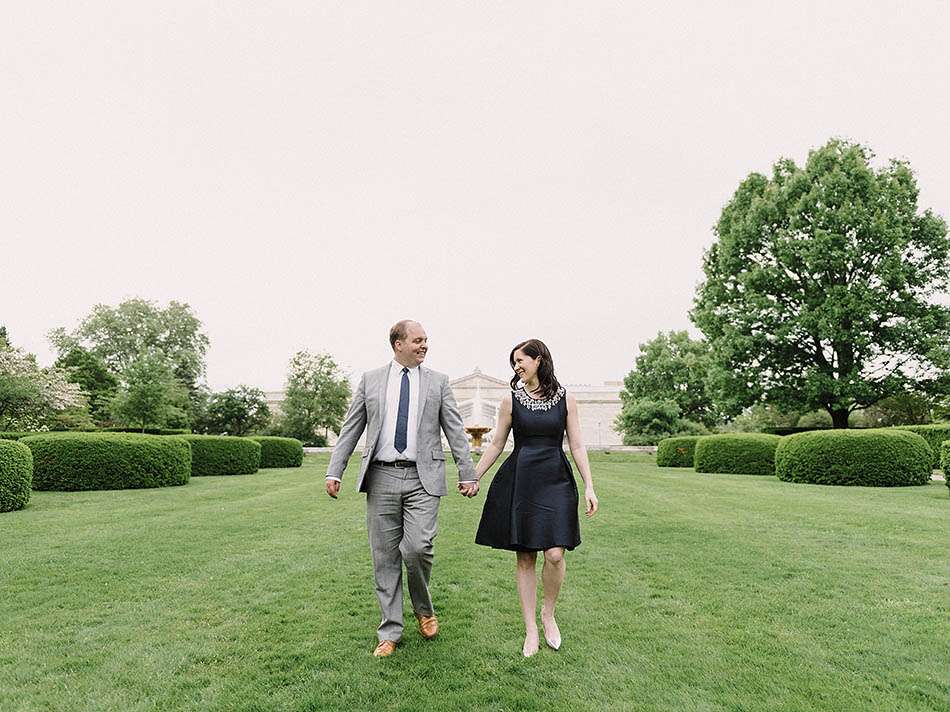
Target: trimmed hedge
{"type": "Point", "coordinates": [737, 453]}
{"type": "Point", "coordinates": [149, 431]}
{"type": "Point", "coordinates": [101, 461]}
{"type": "Point", "coordinates": [878, 457]}
{"type": "Point", "coordinates": [223, 455]}
{"type": "Point", "coordinates": [280, 452]}
{"type": "Point", "coordinates": [934, 434]}
{"type": "Point", "coordinates": [945, 462]}
{"type": "Point", "coordinates": [676, 451]}
{"type": "Point", "coordinates": [10, 435]}
{"type": "Point", "coordinates": [16, 475]}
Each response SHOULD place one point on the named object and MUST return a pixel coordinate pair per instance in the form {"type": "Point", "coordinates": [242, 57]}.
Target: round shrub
{"type": "Point", "coordinates": [223, 455]}
{"type": "Point", "coordinates": [280, 452]}
{"type": "Point", "coordinates": [737, 453]}
{"type": "Point", "coordinates": [934, 434]}
{"type": "Point", "coordinates": [869, 458]}
{"type": "Point", "coordinates": [676, 451]}
{"type": "Point", "coordinates": [100, 461]}
{"type": "Point", "coordinates": [16, 475]}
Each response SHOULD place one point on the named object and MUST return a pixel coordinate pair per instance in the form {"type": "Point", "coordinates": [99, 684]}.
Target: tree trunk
{"type": "Point", "coordinates": [839, 418]}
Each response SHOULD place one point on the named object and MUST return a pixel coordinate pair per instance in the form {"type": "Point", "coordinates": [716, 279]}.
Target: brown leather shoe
{"type": "Point", "coordinates": [428, 626]}
{"type": "Point", "coordinates": [385, 649]}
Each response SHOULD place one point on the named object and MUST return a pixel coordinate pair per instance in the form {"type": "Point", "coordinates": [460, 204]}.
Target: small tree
{"type": "Point", "coordinates": [903, 409]}
{"type": "Point", "coordinates": [645, 422]}
{"type": "Point", "coordinates": [762, 417]}
{"type": "Point", "coordinates": [819, 290]}
{"type": "Point", "coordinates": [150, 396]}
{"type": "Point", "coordinates": [236, 411]}
{"type": "Point", "coordinates": [673, 367]}
{"type": "Point", "coordinates": [315, 397]}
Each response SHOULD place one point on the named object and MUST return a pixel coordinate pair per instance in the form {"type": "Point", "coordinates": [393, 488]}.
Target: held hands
{"type": "Point", "coordinates": [333, 488]}
{"type": "Point", "coordinates": [468, 489]}
{"type": "Point", "coordinates": [591, 500]}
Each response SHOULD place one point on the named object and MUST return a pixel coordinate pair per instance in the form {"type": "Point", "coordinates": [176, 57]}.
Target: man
{"type": "Point", "coordinates": [402, 407]}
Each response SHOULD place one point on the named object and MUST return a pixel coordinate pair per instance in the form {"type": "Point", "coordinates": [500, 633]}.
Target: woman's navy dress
{"type": "Point", "coordinates": [532, 502]}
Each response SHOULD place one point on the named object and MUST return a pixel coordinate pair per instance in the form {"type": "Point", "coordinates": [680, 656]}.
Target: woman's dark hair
{"type": "Point", "coordinates": [547, 383]}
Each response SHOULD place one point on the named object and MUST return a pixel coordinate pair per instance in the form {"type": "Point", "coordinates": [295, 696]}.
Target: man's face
{"type": "Point", "coordinates": [412, 351]}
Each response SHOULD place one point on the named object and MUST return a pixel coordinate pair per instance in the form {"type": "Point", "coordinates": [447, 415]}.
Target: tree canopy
{"type": "Point", "coordinates": [120, 335]}
{"type": "Point", "coordinates": [818, 292]}
{"type": "Point", "coordinates": [236, 411]}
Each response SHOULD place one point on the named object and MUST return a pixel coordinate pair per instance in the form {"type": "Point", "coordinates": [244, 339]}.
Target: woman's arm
{"type": "Point", "coordinates": [497, 446]}
{"type": "Point", "coordinates": [579, 453]}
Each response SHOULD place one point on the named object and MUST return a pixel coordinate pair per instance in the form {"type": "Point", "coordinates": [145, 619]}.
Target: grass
{"type": "Point", "coordinates": [690, 592]}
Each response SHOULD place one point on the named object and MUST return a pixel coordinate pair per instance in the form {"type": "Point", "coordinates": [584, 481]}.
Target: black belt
{"type": "Point", "coordinates": [396, 463]}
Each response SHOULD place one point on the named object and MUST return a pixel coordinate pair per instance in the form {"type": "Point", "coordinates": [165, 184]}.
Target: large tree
{"type": "Point", "coordinates": [315, 397]}
{"type": "Point", "coordinates": [673, 367]}
{"type": "Point", "coordinates": [236, 411]}
{"type": "Point", "coordinates": [122, 334]}
{"type": "Point", "coordinates": [819, 290]}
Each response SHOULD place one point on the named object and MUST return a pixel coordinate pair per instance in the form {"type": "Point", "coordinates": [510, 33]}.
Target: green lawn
{"type": "Point", "coordinates": [690, 592]}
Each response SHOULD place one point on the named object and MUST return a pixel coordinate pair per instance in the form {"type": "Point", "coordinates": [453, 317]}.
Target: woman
{"type": "Point", "coordinates": [532, 502]}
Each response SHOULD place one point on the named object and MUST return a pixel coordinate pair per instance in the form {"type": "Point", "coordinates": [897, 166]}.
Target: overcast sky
{"type": "Point", "coordinates": [305, 174]}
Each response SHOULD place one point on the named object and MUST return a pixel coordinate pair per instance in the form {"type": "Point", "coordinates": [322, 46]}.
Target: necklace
{"type": "Point", "coordinates": [538, 403]}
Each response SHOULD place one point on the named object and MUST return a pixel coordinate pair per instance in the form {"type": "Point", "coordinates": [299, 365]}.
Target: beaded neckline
{"type": "Point", "coordinates": [539, 403]}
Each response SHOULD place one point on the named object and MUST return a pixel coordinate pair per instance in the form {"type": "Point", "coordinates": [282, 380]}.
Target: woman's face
{"type": "Point", "coordinates": [526, 367]}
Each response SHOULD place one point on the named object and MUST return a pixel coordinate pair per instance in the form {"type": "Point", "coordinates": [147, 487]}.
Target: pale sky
{"type": "Point", "coordinates": [304, 174]}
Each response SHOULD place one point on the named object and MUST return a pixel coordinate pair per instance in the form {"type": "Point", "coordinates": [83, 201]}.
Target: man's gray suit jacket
{"type": "Point", "coordinates": [437, 411]}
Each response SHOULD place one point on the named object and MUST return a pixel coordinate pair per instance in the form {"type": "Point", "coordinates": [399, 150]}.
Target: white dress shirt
{"type": "Point", "coordinates": [386, 445]}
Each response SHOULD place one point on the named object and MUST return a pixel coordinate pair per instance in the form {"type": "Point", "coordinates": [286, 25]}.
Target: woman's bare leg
{"type": "Point", "coordinates": [528, 593]}
{"type": "Point", "coordinates": [552, 576]}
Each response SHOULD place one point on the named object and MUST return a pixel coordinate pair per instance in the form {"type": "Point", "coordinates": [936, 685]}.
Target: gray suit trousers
{"type": "Point", "coordinates": [402, 520]}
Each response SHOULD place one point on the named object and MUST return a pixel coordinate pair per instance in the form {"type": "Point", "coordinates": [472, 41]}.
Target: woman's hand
{"type": "Point", "coordinates": [591, 499]}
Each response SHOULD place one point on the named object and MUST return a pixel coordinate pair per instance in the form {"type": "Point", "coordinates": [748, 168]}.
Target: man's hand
{"type": "Point", "coordinates": [333, 488]}
{"type": "Point", "coordinates": [468, 489]}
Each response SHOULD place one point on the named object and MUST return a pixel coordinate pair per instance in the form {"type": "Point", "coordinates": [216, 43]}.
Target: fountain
{"type": "Point", "coordinates": [476, 427]}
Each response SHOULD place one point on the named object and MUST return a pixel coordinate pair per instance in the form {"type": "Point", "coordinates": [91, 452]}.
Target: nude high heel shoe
{"type": "Point", "coordinates": [552, 639]}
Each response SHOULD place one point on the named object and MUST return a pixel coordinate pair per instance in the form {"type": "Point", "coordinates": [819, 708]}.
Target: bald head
{"type": "Point", "coordinates": [400, 330]}
{"type": "Point", "coordinates": [410, 343]}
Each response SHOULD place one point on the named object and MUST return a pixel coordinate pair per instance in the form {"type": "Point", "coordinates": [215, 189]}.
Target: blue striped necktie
{"type": "Point", "coordinates": [402, 416]}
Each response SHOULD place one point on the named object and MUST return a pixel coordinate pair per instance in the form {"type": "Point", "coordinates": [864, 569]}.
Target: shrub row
{"type": "Point", "coordinates": [737, 453]}
{"type": "Point", "coordinates": [280, 452]}
{"type": "Point", "coordinates": [9, 435]}
{"type": "Point", "coordinates": [677, 451]}
{"type": "Point", "coordinates": [148, 431]}
{"type": "Point", "coordinates": [223, 455]}
{"type": "Point", "coordinates": [870, 458]}
{"type": "Point", "coordinates": [16, 475]}
{"type": "Point", "coordinates": [85, 461]}
{"type": "Point", "coordinates": [68, 461]}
